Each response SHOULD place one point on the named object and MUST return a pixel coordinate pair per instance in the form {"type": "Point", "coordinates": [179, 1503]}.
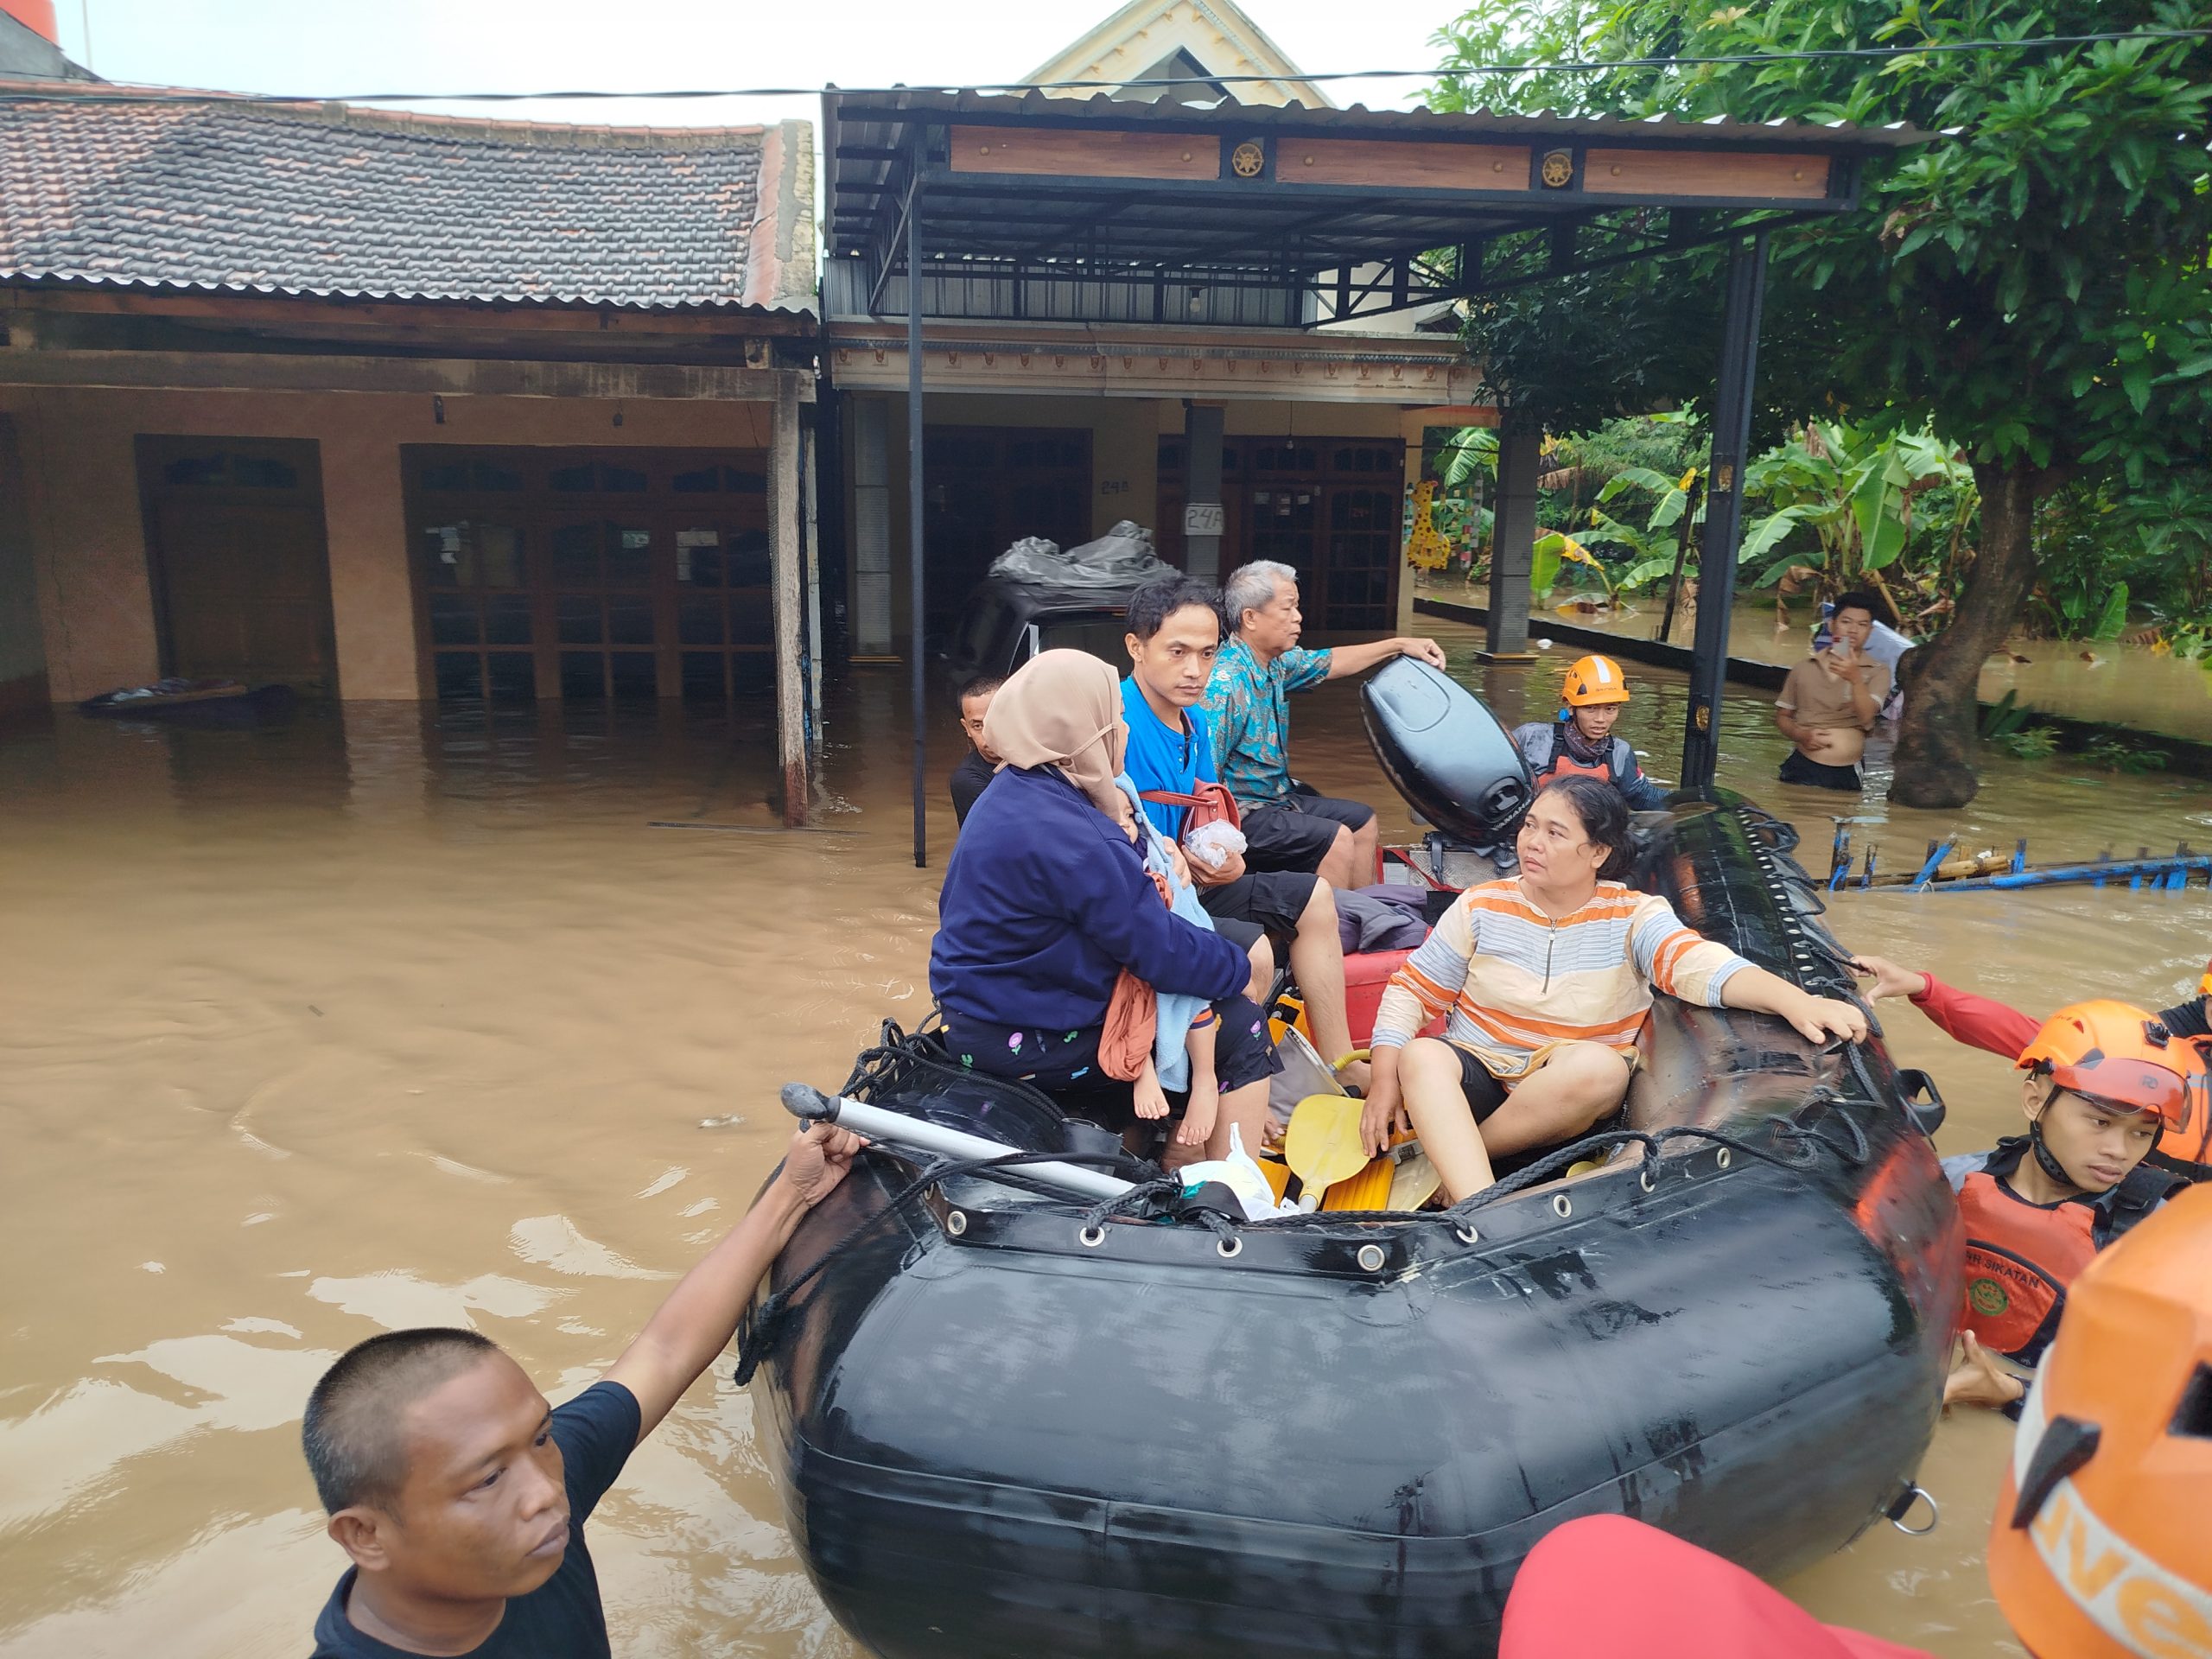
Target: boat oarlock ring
{"type": "Point", "coordinates": [1562, 1206]}
{"type": "Point", "coordinates": [1229, 1248]}
{"type": "Point", "coordinates": [1090, 1237]}
{"type": "Point", "coordinates": [1906, 1502]}
{"type": "Point", "coordinates": [956, 1222]}
{"type": "Point", "coordinates": [1466, 1235]}
{"type": "Point", "coordinates": [1371, 1257]}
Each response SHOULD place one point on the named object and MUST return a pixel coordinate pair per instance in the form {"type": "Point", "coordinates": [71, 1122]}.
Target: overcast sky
{"type": "Point", "coordinates": [340, 46]}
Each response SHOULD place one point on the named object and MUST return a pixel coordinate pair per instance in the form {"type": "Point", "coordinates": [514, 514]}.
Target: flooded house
{"type": "Point", "coordinates": [396, 406]}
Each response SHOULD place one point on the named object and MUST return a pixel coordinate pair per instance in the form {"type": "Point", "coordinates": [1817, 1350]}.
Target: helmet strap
{"type": "Point", "coordinates": [2050, 1165]}
{"type": "Point", "coordinates": [2045, 1157]}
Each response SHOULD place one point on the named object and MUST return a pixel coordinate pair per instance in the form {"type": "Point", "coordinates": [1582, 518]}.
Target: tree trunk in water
{"type": "Point", "coordinates": [1938, 736]}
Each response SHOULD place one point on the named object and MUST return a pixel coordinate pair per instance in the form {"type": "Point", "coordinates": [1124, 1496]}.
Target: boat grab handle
{"type": "Point", "coordinates": [1923, 1101]}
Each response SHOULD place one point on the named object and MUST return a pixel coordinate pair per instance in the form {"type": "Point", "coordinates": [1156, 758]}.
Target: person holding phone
{"type": "Point", "coordinates": [1831, 701]}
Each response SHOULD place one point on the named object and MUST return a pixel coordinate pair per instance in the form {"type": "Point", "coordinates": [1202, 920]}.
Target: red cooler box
{"type": "Point", "coordinates": [1365, 975]}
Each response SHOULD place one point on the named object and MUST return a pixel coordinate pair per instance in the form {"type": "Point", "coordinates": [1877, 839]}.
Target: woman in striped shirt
{"type": "Point", "coordinates": [1548, 979]}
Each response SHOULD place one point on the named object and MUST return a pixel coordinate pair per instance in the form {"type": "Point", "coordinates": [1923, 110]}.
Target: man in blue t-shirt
{"type": "Point", "coordinates": [1175, 634]}
{"type": "Point", "coordinates": [462, 1499]}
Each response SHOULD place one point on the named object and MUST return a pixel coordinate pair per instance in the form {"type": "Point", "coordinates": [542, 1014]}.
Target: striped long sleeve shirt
{"type": "Point", "coordinates": [1517, 983]}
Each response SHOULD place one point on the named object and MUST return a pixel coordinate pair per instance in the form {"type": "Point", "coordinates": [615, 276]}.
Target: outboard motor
{"type": "Point", "coordinates": [1446, 752]}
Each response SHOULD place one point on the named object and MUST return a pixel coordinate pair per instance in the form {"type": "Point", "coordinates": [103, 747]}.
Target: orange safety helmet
{"type": "Point", "coordinates": [1594, 680]}
{"type": "Point", "coordinates": [2100, 1547]}
{"type": "Point", "coordinates": [2115, 1054]}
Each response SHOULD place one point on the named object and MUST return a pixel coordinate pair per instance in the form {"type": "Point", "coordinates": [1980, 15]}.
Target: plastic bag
{"type": "Point", "coordinates": [1120, 560]}
{"type": "Point", "coordinates": [1241, 1175]}
{"type": "Point", "coordinates": [1213, 843]}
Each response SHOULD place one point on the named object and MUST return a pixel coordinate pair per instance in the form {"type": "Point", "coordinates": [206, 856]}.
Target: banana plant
{"type": "Point", "coordinates": [1854, 488]}
{"type": "Point", "coordinates": [1651, 551]}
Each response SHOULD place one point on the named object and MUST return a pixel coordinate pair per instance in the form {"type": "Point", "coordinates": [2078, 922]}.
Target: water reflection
{"type": "Point", "coordinates": [390, 1015]}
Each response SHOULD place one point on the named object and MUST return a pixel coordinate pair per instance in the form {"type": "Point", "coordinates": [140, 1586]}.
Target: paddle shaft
{"type": "Point", "coordinates": [896, 1128]}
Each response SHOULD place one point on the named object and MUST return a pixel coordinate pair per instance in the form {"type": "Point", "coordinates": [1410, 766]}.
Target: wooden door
{"type": "Point", "coordinates": [235, 529]}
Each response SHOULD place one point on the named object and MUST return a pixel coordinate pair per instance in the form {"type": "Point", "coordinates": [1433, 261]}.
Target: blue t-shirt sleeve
{"type": "Point", "coordinates": [596, 1431]}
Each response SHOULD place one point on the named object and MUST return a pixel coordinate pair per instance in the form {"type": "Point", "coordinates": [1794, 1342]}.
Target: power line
{"type": "Point", "coordinates": [1577, 66]}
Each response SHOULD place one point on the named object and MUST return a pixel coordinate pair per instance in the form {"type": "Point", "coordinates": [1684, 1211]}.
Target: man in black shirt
{"type": "Point", "coordinates": [979, 765]}
{"type": "Point", "coordinates": [462, 1499]}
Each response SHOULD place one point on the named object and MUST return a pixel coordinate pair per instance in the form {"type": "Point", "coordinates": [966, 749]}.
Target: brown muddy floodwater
{"type": "Point", "coordinates": [390, 1017]}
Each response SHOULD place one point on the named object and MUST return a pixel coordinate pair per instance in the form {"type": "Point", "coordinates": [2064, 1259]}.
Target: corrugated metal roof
{"type": "Point", "coordinates": [231, 196]}
{"type": "Point", "coordinates": [1829, 136]}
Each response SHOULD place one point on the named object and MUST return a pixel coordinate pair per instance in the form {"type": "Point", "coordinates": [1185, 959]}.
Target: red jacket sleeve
{"type": "Point", "coordinates": [1975, 1020]}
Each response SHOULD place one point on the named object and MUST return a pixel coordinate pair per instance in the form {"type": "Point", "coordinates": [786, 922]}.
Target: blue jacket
{"type": "Point", "coordinates": [1045, 902]}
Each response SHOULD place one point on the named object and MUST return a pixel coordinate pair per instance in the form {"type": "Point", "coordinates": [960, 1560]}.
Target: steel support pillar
{"type": "Point", "coordinates": [786, 557]}
{"type": "Point", "coordinates": [1203, 425]}
{"type": "Point", "coordinates": [1724, 509]}
{"type": "Point", "coordinates": [914, 500]}
{"type": "Point", "coordinates": [1513, 543]}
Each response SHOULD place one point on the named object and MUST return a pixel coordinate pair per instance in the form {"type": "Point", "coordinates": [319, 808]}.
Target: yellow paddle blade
{"type": "Point", "coordinates": [1322, 1144]}
{"type": "Point", "coordinates": [1369, 1188]}
{"type": "Point", "coordinates": [1414, 1183]}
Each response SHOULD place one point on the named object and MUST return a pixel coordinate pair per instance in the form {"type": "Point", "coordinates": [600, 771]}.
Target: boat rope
{"type": "Point", "coordinates": [757, 1335]}
{"type": "Point", "coordinates": [1162, 1190]}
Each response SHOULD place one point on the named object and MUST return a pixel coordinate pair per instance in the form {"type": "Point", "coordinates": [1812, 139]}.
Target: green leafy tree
{"type": "Point", "coordinates": [2033, 282]}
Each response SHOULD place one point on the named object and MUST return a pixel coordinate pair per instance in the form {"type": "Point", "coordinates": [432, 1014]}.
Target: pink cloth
{"type": "Point", "coordinates": [1608, 1587]}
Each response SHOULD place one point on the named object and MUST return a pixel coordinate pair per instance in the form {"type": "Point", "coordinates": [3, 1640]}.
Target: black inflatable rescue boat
{"type": "Point", "coordinates": [1004, 1424]}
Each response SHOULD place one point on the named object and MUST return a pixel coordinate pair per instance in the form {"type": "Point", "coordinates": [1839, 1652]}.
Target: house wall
{"type": "Point", "coordinates": [86, 535]}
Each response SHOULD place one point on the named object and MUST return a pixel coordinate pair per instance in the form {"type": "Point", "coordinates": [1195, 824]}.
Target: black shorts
{"type": "Point", "coordinates": [1242, 935]}
{"type": "Point", "coordinates": [1273, 900]}
{"type": "Point", "coordinates": [1484, 1093]}
{"type": "Point", "coordinates": [1065, 1065]}
{"type": "Point", "coordinates": [1297, 832]}
{"type": "Point", "coordinates": [1799, 770]}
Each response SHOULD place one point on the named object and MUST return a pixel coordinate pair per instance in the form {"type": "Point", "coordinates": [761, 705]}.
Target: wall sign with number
{"type": "Point", "coordinates": [1202, 519]}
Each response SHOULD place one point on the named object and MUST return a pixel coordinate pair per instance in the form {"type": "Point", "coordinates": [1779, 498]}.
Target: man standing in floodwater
{"type": "Point", "coordinates": [1831, 701]}
{"type": "Point", "coordinates": [461, 1499]}
{"type": "Point", "coordinates": [1287, 827]}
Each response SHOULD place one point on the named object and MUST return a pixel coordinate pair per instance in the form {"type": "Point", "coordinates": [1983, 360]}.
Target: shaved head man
{"type": "Point", "coordinates": [460, 1495]}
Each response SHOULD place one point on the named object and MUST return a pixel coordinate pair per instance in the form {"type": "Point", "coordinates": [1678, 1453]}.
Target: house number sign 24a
{"type": "Point", "coordinates": [1202, 519]}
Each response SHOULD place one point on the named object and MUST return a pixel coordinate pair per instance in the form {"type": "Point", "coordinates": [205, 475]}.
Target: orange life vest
{"type": "Point", "coordinates": [2021, 1258]}
{"type": "Point", "coordinates": [1607, 771]}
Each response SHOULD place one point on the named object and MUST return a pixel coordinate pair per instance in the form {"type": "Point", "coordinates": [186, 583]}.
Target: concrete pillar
{"type": "Point", "coordinates": [1512, 543]}
{"type": "Point", "coordinates": [784, 545]}
{"type": "Point", "coordinates": [1203, 425]}
{"type": "Point", "coordinates": [871, 526]}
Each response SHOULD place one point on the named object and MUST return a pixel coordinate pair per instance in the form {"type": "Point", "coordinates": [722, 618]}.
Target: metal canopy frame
{"type": "Point", "coordinates": [1362, 249]}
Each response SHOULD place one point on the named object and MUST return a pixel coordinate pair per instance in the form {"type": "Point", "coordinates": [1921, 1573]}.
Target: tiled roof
{"type": "Point", "coordinates": [218, 194]}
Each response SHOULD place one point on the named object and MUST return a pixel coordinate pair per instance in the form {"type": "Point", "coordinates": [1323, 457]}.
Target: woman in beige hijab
{"type": "Point", "coordinates": [1063, 709]}
{"type": "Point", "coordinates": [1045, 902]}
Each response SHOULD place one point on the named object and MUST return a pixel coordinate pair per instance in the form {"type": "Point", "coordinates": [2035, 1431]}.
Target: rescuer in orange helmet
{"type": "Point", "coordinates": [2099, 1549]}
{"type": "Point", "coordinates": [1581, 740]}
{"type": "Point", "coordinates": [1981, 1023]}
{"type": "Point", "coordinates": [2105, 1081]}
